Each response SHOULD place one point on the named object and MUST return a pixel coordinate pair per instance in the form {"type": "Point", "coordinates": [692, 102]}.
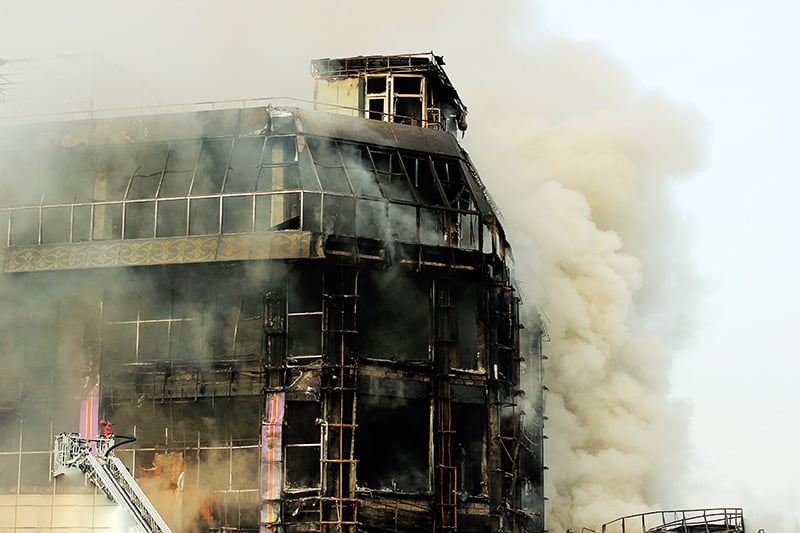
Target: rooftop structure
{"type": "Point", "coordinates": [406, 89]}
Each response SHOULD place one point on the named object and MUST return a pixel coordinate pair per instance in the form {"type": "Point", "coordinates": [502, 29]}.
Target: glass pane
{"type": "Point", "coordinates": [431, 227]}
{"type": "Point", "coordinates": [175, 184]}
{"type": "Point", "coordinates": [144, 187]}
{"type": "Point", "coordinates": [312, 210]}
{"type": "Point", "coordinates": [237, 214]}
{"type": "Point", "coordinates": [55, 224]}
{"type": "Point", "coordinates": [153, 341]}
{"type": "Point", "coordinates": [360, 170]}
{"type": "Point", "coordinates": [25, 226]}
{"type": "Point", "coordinates": [333, 179]}
{"type": "Point", "coordinates": [119, 342]}
{"type": "Point", "coordinates": [139, 220]}
{"type": "Point", "coordinates": [151, 159]}
{"type": "Point", "coordinates": [338, 214]}
{"type": "Point", "coordinates": [371, 219]}
{"type": "Point", "coordinates": [328, 165]}
{"type": "Point", "coordinates": [81, 219]}
{"type": "Point", "coordinates": [391, 176]}
{"type": "Point", "coordinates": [4, 216]}
{"type": "Point", "coordinates": [204, 216]}
{"type": "Point", "coordinates": [211, 167]}
{"type": "Point", "coordinates": [403, 222]}
{"type": "Point", "coordinates": [120, 166]}
{"type": "Point", "coordinates": [281, 149]}
{"type": "Point", "coordinates": [469, 231]}
{"type": "Point", "coordinates": [171, 218]}
{"type": "Point", "coordinates": [245, 163]}
{"type": "Point", "coordinates": [183, 156]}
{"type": "Point", "coordinates": [108, 221]}
{"type": "Point", "coordinates": [278, 212]}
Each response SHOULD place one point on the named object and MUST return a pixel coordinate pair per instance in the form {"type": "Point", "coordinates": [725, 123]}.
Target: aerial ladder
{"type": "Point", "coordinates": [96, 459]}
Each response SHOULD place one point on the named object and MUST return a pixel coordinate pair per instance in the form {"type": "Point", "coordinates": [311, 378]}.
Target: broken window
{"type": "Point", "coordinates": [151, 160]}
{"type": "Point", "coordinates": [408, 99]}
{"type": "Point", "coordinates": [302, 444]}
{"type": "Point", "coordinates": [392, 179]}
{"type": "Point", "coordinates": [360, 170]}
{"type": "Point", "coordinates": [454, 186]}
{"type": "Point", "coordinates": [432, 227]}
{"type": "Point", "coordinates": [120, 167]}
{"type": "Point", "coordinates": [393, 435]}
{"type": "Point", "coordinates": [465, 298]}
{"type": "Point", "coordinates": [193, 317]}
{"type": "Point", "coordinates": [408, 110]}
{"type": "Point", "coordinates": [422, 178]}
{"type": "Point", "coordinates": [304, 317]}
{"type": "Point", "coordinates": [394, 317]}
{"type": "Point", "coordinates": [211, 166]}
{"type": "Point", "coordinates": [377, 92]}
{"type": "Point", "coordinates": [468, 423]}
{"type": "Point", "coordinates": [180, 169]}
{"type": "Point", "coordinates": [245, 164]}
{"type": "Point", "coordinates": [328, 164]}
{"type": "Point", "coordinates": [279, 165]}
{"type": "Point", "coordinates": [376, 84]}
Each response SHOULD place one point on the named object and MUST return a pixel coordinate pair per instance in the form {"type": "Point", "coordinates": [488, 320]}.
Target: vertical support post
{"type": "Point", "coordinates": [445, 347]}
{"type": "Point", "coordinates": [339, 504]}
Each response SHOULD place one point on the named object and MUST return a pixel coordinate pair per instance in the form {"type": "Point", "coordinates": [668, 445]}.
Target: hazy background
{"type": "Point", "coordinates": [715, 251]}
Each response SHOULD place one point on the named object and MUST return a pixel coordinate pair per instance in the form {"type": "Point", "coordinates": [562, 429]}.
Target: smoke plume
{"type": "Point", "coordinates": [589, 214]}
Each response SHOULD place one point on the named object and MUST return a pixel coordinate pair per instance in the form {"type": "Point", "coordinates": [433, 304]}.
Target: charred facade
{"type": "Point", "coordinates": [306, 319]}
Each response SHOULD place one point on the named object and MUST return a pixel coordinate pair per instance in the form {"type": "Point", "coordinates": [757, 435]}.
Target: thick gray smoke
{"type": "Point", "coordinates": [588, 210]}
{"type": "Point", "coordinates": [579, 159]}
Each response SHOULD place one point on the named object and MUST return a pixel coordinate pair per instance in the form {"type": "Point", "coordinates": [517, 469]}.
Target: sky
{"type": "Point", "coordinates": [732, 63]}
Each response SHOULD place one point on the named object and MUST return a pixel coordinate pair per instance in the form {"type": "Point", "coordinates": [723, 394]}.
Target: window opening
{"type": "Point", "coordinates": [393, 456]}
{"type": "Point", "coordinates": [329, 165]}
{"type": "Point", "coordinates": [391, 177]}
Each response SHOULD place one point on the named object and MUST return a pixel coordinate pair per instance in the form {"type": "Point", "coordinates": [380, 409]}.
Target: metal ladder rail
{"type": "Point", "coordinates": [119, 485]}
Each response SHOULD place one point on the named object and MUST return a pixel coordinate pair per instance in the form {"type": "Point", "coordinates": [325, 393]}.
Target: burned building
{"type": "Point", "coordinates": [306, 318]}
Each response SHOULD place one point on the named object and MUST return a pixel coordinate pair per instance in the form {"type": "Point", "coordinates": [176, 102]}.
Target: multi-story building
{"type": "Point", "coordinates": [305, 318]}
